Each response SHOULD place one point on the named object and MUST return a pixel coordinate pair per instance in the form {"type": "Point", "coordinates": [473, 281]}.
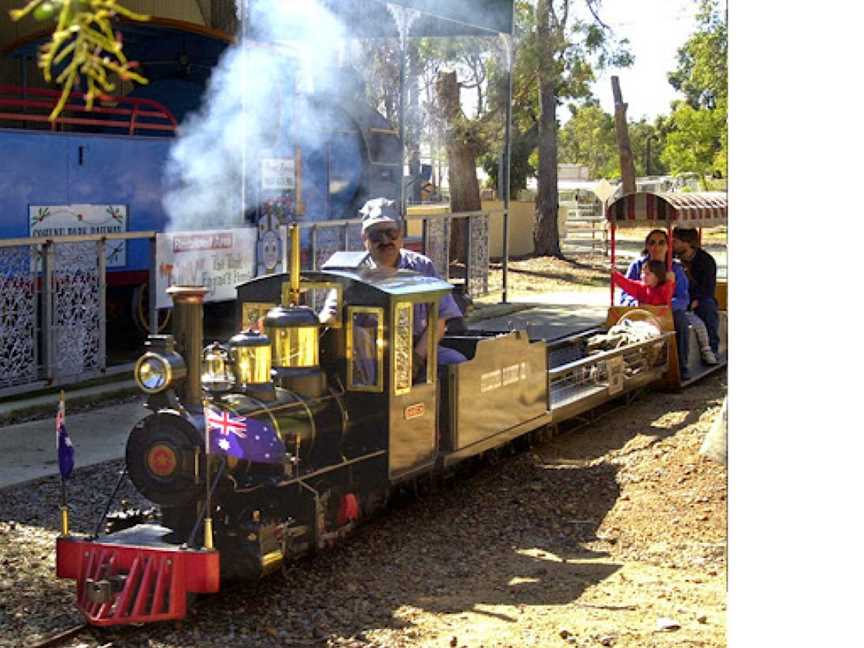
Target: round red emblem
{"type": "Point", "coordinates": [162, 460]}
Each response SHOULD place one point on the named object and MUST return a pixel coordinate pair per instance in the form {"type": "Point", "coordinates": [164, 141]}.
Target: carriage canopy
{"type": "Point", "coordinates": [645, 209]}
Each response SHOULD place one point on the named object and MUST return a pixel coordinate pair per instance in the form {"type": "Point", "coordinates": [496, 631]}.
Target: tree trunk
{"type": "Point", "coordinates": [546, 206]}
{"type": "Point", "coordinates": [461, 162]}
{"type": "Point", "coordinates": [625, 153]}
{"type": "Point", "coordinates": [413, 123]}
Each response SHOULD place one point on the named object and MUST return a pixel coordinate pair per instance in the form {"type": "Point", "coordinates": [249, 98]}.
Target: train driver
{"type": "Point", "coordinates": [381, 233]}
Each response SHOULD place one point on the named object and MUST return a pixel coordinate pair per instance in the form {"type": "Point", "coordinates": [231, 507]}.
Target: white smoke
{"type": "Point", "coordinates": [258, 104]}
{"type": "Point", "coordinates": [286, 46]}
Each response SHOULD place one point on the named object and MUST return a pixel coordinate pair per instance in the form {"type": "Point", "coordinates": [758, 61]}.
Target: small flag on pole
{"type": "Point", "coordinates": [241, 437]}
{"type": "Point", "coordinates": [65, 451]}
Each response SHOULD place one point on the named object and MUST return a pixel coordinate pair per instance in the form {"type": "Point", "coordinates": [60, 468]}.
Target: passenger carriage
{"type": "Point", "coordinates": [697, 210]}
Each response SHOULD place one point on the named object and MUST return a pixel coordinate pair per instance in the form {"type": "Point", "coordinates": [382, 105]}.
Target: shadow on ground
{"type": "Point", "coordinates": [502, 536]}
{"type": "Point", "coordinates": [683, 409]}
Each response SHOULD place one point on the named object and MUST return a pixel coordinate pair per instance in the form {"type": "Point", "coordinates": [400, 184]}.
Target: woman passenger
{"type": "Point", "coordinates": [657, 248]}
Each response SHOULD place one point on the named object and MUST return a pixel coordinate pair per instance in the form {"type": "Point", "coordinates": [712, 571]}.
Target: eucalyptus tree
{"type": "Point", "coordinates": [564, 51]}
{"type": "Point", "coordinates": [697, 130]}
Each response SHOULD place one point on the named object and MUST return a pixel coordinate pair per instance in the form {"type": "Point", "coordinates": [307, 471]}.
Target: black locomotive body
{"type": "Point", "coordinates": [280, 441]}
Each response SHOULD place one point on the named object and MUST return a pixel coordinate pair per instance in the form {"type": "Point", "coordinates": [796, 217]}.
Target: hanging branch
{"type": "Point", "coordinates": [593, 9]}
{"type": "Point", "coordinates": [84, 36]}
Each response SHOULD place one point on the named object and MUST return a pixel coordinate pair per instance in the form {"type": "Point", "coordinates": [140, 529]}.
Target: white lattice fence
{"type": "Point", "coordinates": [19, 315]}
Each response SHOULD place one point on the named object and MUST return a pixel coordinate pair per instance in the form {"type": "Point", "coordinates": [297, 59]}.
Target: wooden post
{"type": "Point", "coordinates": [625, 154]}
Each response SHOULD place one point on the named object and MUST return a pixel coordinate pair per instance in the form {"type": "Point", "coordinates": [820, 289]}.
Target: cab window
{"type": "Point", "coordinates": [365, 348]}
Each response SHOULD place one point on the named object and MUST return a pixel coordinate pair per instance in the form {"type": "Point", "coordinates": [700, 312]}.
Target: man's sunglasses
{"type": "Point", "coordinates": [384, 235]}
{"type": "Point", "coordinates": [657, 242]}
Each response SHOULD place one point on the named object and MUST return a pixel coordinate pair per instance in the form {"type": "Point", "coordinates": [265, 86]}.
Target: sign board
{"type": "Point", "coordinates": [216, 259]}
{"type": "Point", "coordinates": [603, 190]}
{"type": "Point", "coordinates": [84, 219]}
{"type": "Point", "coordinates": [615, 372]}
{"type": "Point", "coordinates": [277, 173]}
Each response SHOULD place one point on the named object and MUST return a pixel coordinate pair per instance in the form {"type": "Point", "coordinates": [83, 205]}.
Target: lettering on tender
{"type": "Point", "coordinates": [490, 380]}
{"type": "Point", "coordinates": [511, 374]}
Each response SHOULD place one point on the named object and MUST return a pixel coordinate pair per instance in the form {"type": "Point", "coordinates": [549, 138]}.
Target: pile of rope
{"type": "Point", "coordinates": [621, 334]}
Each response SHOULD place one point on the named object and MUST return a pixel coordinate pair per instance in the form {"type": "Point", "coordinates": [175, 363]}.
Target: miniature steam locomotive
{"type": "Point", "coordinates": [280, 441]}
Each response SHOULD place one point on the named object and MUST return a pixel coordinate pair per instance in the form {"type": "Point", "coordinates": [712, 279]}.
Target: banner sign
{"type": "Point", "coordinates": [77, 220]}
{"type": "Point", "coordinates": [216, 259]}
{"type": "Point", "coordinates": [277, 173]}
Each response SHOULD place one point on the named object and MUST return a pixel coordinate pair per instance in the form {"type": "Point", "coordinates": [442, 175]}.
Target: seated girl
{"type": "Point", "coordinates": [657, 285]}
{"type": "Point", "coordinates": [656, 288]}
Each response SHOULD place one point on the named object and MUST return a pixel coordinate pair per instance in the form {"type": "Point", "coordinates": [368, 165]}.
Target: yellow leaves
{"type": "Point", "coordinates": [84, 36]}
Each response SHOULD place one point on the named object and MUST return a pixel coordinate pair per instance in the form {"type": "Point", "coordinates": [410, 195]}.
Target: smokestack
{"type": "Point", "coordinates": [189, 334]}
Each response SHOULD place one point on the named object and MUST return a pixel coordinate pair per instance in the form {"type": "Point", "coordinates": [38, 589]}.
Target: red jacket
{"type": "Point", "coordinates": [658, 296]}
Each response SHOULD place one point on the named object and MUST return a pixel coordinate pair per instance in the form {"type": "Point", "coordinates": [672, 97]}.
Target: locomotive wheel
{"type": "Point", "coordinates": [160, 457]}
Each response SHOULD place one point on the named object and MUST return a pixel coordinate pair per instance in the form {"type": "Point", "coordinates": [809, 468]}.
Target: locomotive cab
{"type": "Point", "coordinates": [368, 351]}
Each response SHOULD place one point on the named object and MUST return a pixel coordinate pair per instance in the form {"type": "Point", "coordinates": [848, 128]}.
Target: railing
{"type": "Point", "coordinates": [53, 293]}
{"type": "Point", "coordinates": [434, 242]}
{"type": "Point", "coordinates": [130, 114]}
{"type": "Point", "coordinates": [585, 228]}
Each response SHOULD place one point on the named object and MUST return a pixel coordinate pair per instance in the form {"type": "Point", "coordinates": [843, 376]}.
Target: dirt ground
{"type": "Point", "coordinates": [550, 274]}
{"type": "Point", "coordinates": [617, 538]}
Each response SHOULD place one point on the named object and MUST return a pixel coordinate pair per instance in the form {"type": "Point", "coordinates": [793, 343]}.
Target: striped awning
{"type": "Point", "coordinates": [644, 209]}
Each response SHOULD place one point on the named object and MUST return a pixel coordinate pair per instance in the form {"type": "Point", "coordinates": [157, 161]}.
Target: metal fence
{"type": "Point", "coordinates": [52, 310]}
{"type": "Point", "coordinates": [586, 230]}
{"type": "Point", "coordinates": [327, 237]}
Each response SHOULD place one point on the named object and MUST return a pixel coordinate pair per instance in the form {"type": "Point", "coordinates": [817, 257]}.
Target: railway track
{"type": "Point", "coordinates": [59, 637]}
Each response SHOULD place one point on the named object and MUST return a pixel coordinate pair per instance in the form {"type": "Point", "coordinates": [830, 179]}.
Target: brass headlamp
{"type": "Point", "coordinates": [160, 367]}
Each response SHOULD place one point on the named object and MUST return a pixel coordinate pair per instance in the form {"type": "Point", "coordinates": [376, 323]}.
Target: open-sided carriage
{"type": "Point", "coordinates": [667, 211]}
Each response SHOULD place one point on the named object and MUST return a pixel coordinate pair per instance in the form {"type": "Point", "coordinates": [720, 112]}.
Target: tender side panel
{"type": "Point", "coordinates": [496, 395]}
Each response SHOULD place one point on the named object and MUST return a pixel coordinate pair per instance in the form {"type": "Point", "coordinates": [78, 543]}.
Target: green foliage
{"type": "Point", "coordinates": [702, 70]}
{"type": "Point", "coordinates": [697, 141]}
{"type": "Point", "coordinates": [697, 130]}
{"type": "Point", "coordinates": [588, 138]}
{"type": "Point", "coordinates": [85, 40]}
{"type": "Point", "coordinates": [645, 136]}
{"type": "Point", "coordinates": [523, 162]}
{"type": "Point", "coordinates": [578, 51]}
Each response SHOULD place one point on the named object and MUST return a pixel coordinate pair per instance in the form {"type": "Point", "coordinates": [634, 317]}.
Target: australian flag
{"type": "Point", "coordinates": [244, 438]}
{"type": "Point", "coordinates": [65, 451]}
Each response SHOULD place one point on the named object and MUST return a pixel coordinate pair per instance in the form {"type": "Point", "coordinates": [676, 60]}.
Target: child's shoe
{"type": "Point", "coordinates": [708, 356]}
